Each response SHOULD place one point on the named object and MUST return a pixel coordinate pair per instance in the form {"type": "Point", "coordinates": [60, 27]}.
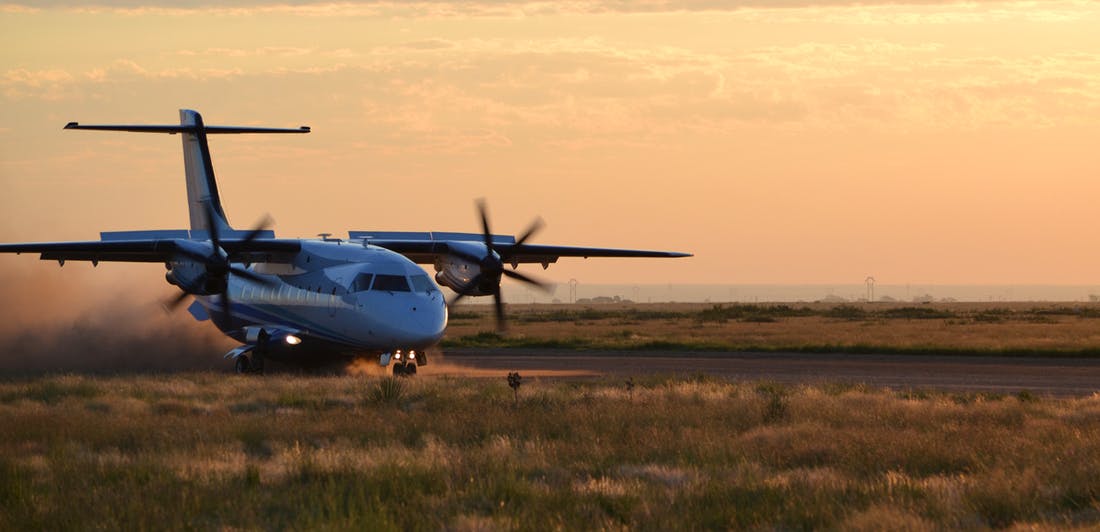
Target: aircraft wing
{"type": "Point", "coordinates": [153, 250]}
{"type": "Point", "coordinates": [424, 248]}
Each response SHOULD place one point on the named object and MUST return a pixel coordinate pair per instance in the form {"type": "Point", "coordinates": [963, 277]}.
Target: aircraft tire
{"type": "Point", "coordinates": [243, 365]}
{"type": "Point", "coordinates": [398, 370]}
{"type": "Point", "coordinates": [410, 369]}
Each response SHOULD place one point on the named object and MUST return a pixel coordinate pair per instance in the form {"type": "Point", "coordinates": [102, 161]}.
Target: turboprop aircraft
{"type": "Point", "coordinates": [308, 301]}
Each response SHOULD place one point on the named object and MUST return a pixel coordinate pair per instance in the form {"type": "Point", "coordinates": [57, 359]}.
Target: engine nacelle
{"type": "Point", "coordinates": [457, 274]}
{"type": "Point", "coordinates": [466, 263]}
{"type": "Point", "coordinates": [195, 278]}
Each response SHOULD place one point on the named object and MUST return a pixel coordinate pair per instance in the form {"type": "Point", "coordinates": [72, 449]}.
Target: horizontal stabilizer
{"type": "Point", "coordinates": [173, 129]}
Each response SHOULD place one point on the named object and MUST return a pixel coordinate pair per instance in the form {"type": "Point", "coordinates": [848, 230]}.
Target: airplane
{"type": "Point", "coordinates": [310, 301]}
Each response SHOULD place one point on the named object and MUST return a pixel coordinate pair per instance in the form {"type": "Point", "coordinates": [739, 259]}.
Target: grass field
{"type": "Point", "coordinates": [214, 451]}
{"type": "Point", "coordinates": [963, 328]}
{"type": "Point", "coordinates": [211, 450]}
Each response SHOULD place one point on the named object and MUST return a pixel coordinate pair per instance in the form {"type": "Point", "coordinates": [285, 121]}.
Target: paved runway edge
{"type": "Point", "coordinates": [1061, 376]}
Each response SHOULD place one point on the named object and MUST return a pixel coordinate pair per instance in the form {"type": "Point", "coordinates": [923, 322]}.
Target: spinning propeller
{"type": "Point", "coordinates": [488, 279]}
{"type": "Point", "coordinates": [218, 267]}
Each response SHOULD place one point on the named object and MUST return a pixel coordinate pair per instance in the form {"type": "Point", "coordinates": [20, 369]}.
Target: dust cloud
{"type": "Point", "coordinates": [56, 321]}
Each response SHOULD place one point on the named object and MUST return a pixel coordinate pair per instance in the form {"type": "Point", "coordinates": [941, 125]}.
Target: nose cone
{"type": "Point", "coordinates": [423, 324]}
{"type": "Point", "coordinates": [401, 320]}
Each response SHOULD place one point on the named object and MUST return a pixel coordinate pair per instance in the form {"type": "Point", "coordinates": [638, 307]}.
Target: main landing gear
{"type": "Point", "coordinates": [404, 364]}
{"type": "Point", "coordinates": [243, 365]}
{"type": "Point", "coordinates": [246, 366]}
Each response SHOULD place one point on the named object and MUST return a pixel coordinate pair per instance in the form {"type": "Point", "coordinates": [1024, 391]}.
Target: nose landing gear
{"type": "Point", "coordinates": [408, 369]}
{"type": "Point", "coordinates": [404, 364]}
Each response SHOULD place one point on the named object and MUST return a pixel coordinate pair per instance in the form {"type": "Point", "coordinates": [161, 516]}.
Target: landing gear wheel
{"type": "Point", "coordinates": [410, 369]}
{"type": "Point", "coordinates": [398, 370]}
{"type": "Point", "coordinates": [243, 365]}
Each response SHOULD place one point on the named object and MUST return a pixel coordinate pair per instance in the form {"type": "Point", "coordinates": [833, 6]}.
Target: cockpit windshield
{"type": "Point", "coordinates": [361, 282]}
{"type": "Point", "coordinates": [391, 283]}
{"type": "Point", "coordinates": [421, 283]}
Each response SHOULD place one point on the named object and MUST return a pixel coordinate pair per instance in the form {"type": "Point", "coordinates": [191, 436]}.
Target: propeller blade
{"type": "Point", "coordinates": [499, 304]}
{"type": "Point", "coordinates": [259, 228]}
{"type": "Point", "coordinates": [454, 300]}
{"type": "Point", "coordinates": [465, 256]}
{"type": "Point", "coordinates": [482, 209]}
{"type": "Point", "coordinates": [531, 281]}
{"type": "Point", "coordinates": [461, 293]}
{"type": "Point", "coordinates": [174, 303]}
{"type": "Point", "coordinates": [534, 228]}
{"type": "Point", "coordinates": [225, 306]}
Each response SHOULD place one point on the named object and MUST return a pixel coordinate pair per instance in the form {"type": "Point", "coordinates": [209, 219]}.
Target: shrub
{"type": "Point", "coordinates": [846, 312]}
{"type": "Point", "coordinates": [388, 390]}
{"type": "Point", "coordinates": [917, 313]}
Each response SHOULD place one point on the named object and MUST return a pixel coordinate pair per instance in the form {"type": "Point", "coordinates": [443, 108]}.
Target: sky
{"type": "Point", "coordinates": [781, 142]}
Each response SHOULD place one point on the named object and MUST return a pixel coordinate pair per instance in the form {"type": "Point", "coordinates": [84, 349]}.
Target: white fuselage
{"type": "Point", "coordinates": [337, 297]}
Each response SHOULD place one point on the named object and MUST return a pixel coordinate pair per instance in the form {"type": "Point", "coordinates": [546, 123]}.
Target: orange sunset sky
{"type": "Point", "coordinates": [780, 142]}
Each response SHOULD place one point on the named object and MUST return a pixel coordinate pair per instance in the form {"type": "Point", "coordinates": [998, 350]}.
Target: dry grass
{"type": "Point", "coordinates": [223, 452]}
{"type": "Point", "coordinates": [949, 327]}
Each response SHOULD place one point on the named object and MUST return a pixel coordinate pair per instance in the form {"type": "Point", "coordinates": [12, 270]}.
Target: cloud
{"type": "Point", "coordinates": [265, 51]}
{"type": "Point", "coordinates": [467, 94]}
{"type": "Point", "coordinates": [528, 8]}
{"type": "Point", "coordinates": [60, 84]}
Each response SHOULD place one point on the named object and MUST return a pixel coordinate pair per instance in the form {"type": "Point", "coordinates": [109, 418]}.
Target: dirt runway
{"type": "Point", "coordinates": [1050, 376]}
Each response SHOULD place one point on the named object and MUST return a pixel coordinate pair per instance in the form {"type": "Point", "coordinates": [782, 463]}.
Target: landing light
{"type": "Point", "coordinates": [412, 355]}
{"type": "Point", "coordinates": [293, 340]}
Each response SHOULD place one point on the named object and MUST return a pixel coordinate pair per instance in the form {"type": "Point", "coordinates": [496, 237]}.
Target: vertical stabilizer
{"type": "Point", "coordinates": [202, 189]}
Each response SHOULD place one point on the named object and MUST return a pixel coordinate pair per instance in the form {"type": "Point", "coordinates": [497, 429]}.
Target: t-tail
{"type": "Point", "coordinates": [203, 202]}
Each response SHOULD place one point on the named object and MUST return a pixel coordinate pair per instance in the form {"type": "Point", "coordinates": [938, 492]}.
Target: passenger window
{"type": "Point", "coordinates": [391, 283]}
